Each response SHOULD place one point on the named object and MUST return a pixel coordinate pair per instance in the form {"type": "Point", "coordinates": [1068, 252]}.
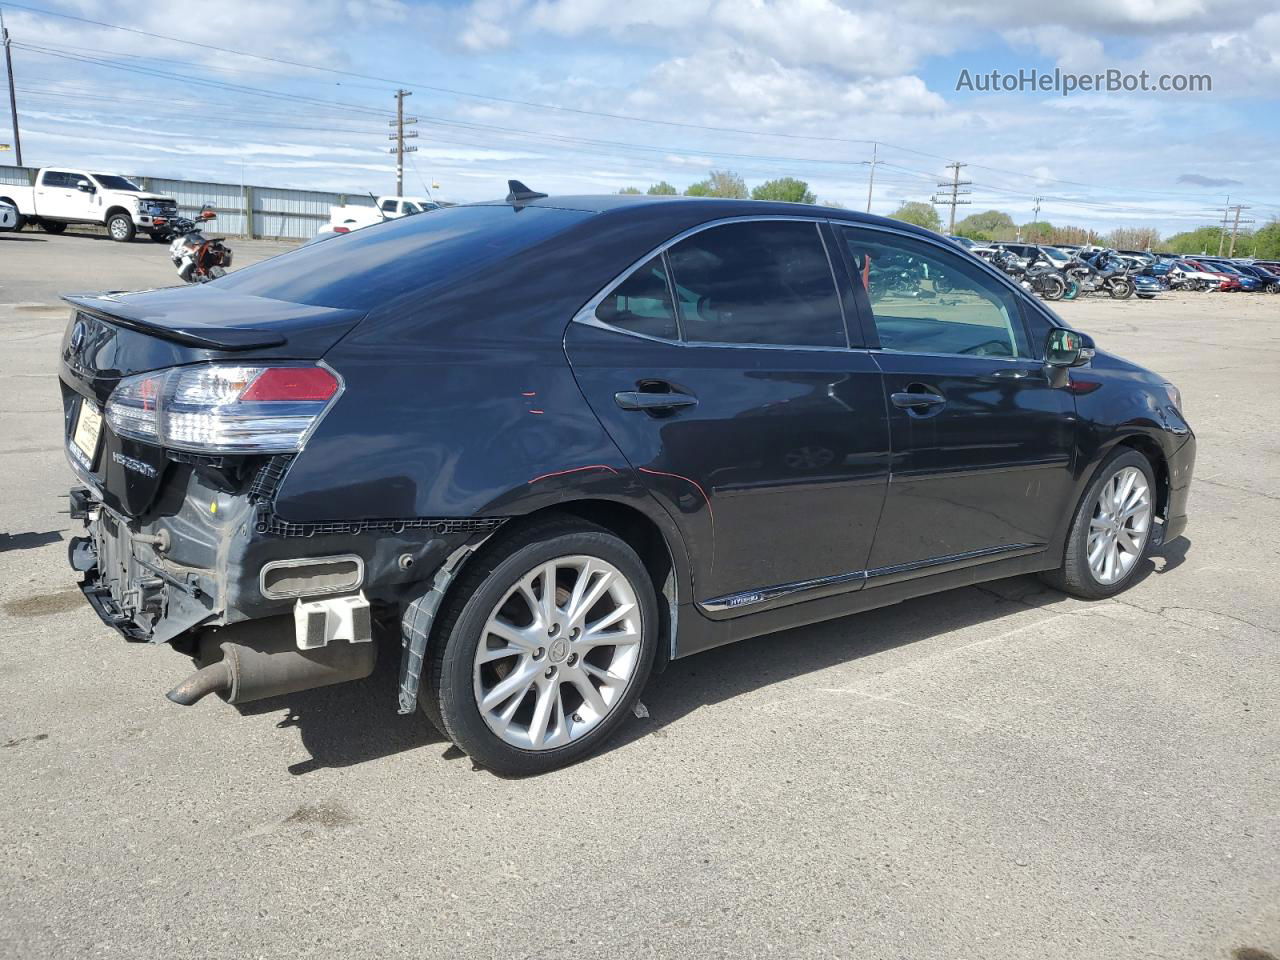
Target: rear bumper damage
{"type": "Point", "coordinates": [211, 555]}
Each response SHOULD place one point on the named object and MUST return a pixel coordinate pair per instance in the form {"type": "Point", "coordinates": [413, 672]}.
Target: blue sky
{"type": "Point", "coordinates": [807, 83]}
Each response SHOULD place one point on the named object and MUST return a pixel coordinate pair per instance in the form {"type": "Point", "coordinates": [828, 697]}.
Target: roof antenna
{"type": "Point", "coordinates": [520, 193]}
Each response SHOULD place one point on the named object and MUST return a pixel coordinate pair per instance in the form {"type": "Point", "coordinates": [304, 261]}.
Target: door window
{"type": "Point", "coordinates": [642, 303]}
{"type": "Point", "coordinates": [928, 300]}
{"type": "Point", "coordinates": [57, 178]}
{"type": "Point", "coordinates": [389, 206]}
{"type": "Point", "coordinates": [757, 282]}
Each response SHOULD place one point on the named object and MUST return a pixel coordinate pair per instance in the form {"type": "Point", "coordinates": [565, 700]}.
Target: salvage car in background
{"type": "Point", "coordinates": [560, 442]}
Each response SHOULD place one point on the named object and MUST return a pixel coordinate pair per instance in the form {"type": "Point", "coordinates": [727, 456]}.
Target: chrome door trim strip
{"type": "Point", "coordinates": [798, 588]}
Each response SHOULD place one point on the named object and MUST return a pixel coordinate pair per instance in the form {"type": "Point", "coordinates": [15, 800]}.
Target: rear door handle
{"type": "Point", "coordinates": [635, 400]}
{"type": "Point", "coordinates": [909, 401]}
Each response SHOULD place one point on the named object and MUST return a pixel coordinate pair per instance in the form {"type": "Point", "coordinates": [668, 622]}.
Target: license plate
{"type": "Point", "coordinates": [88, 426]}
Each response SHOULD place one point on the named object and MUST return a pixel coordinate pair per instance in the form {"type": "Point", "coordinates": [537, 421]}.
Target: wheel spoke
{"type": "Point", "coordinates": [513, 636]}
{"type": "Point", "coordinates": [616, 638]}
{"type": "Point", "coordinates": [590, 695]}
{"type": "Point", "coordinates": [591, 586]}
{"type": "Point", "coordinates": [548, 694]}
{"type": "Point", "coordinates": [609, 619]}
{"type": "Point", "coordinates": [515, 682]}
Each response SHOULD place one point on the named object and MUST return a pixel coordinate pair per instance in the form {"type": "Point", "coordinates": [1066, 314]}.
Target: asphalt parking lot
{"type": "Point", "coordinates": [992, 772]}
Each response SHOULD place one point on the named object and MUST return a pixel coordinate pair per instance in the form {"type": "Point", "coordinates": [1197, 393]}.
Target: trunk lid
{"type": "Point", "coordinates": [116, 335]}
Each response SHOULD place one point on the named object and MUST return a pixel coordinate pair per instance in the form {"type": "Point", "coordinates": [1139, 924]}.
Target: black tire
{"type": "Point", "coordinates": [1121, 289]}
{"type": "Point", "coordinates": [1052, 288]}
{"type": "Point", "coordinates": [52, 226]}
{"type": "Point", "coordinates": [159, 236]}
{"type": "Point", "coordinates": [448, 696]}
{"type": "Point", "coordinates": [120, 227]}
{"type": "Point", "coordinates": [1074, 576]}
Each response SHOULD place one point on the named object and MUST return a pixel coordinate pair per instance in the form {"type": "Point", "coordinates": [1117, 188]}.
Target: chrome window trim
{"type": "Point", "coordinates": [587, 314]}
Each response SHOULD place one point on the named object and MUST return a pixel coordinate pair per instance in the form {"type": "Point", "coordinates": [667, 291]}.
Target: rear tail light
{"type": "Point", "coordinates": [341, 229]}
{"type": "Point", "coordinates": [224, 408]}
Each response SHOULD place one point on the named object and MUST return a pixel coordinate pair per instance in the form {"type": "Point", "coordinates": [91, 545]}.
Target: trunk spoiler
{"type": "Point", "coordinates": [203, 318]}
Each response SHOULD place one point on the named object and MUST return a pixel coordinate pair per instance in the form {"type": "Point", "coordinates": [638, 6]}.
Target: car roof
{"type": "Point", "coordinates": [694, 210]}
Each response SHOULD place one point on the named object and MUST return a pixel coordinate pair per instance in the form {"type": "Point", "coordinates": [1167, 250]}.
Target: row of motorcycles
{"type": "Point", "coordinates": [1099, 272]}
{"type": "Point", "coordinates": [197, 258]}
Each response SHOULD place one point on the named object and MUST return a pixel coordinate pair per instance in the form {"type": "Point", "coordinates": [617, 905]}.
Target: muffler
{"type": "Point", "coordinates": [265, 662]}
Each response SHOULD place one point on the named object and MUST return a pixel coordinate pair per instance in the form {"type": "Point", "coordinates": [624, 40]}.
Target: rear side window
{"type": "Point", "coordinates": [757, 282]}
{"type": "Point", "coordinates": [928, 300]}
{"type": "Point", "coordinates": [642, 303]}
{"type": "Point", "coordinates": [56, 178]}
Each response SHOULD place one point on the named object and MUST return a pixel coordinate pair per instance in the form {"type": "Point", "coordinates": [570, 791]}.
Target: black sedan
{"type": "Point", "coordinates": [557, 442]}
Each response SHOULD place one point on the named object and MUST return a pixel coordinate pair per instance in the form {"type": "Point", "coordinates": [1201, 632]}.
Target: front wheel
{"type": "Point", "coordinates": [542, 649]}
{"type": "Point", "coordinates": [120, 228]}
{"type": "Point", "coordinates": [1052, 287]}
{"type": "Point", "coordinates": [1111, 531]}
{"type": "Point", "coordinates": [1121, 289]}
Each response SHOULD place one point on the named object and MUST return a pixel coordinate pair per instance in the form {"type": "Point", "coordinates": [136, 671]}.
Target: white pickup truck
{"type": "Point", "coordinates": [352, 216]}
{"type": "Point", "coordinates": [62, 196]}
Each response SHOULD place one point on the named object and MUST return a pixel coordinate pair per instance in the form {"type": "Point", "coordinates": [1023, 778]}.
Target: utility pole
{"type": "Point", "coordinates": [1235, 228]}
{"type": "Point", "coordinates": [871, 182]}
{"type": "Point", "coordinates": [400, 136]}
{"type": "Point", "coordinates": [13, 100]}
{"type": "Point", "coordinates": [1035, 217]}
{"type": "Point", "coordinates": [954, 186]}
{"type": "Point", "coordinates": [1222, 233]}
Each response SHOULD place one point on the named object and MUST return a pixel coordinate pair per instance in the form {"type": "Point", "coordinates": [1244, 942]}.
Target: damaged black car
{"type": "Point", "coordinates": [556, 442]}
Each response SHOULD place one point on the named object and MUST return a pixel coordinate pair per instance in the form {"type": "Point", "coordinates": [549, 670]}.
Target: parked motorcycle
{"type": "Point", "coordinates": [1036, 274]}
{"type": "Point", "coordinates": [1101, 271]}
{"type": "Point", "coordinates": [197, 258]}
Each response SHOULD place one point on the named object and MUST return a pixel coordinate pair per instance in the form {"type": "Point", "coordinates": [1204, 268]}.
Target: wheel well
{"type": "Point", "coordinates": [1159, 467]}
{"type": "Point", "coordinates": [643, 536]}
{"type": "Point", "coordinates": [112, 211]}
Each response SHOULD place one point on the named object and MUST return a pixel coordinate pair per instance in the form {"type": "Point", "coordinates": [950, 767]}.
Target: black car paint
{"type": "Point", "coordinates": [464, 400]}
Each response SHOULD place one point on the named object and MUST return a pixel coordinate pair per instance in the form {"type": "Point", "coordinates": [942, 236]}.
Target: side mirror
{"type": "Point", "coordinates": [84, 186]}
{"type": "Point", "coordinates": [1067, 348]}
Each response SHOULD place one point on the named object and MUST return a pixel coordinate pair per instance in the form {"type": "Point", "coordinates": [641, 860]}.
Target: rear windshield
{"type": "Point", "coordinates": [372, 265]}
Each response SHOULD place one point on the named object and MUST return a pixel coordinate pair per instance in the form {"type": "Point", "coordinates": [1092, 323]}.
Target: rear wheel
{"type": "Point", "coordinates": [1052, 287]}
{"type": "Point", "coordinates": [120, 227]}
{"type": "Point", "coordinates": [543, 648]}
{"type": "Point", "coordinates": [52, 226]}
{"type": "Point", "coordinates": [1111, 531]}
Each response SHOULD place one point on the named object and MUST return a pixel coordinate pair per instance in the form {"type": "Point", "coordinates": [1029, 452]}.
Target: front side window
{"type": "Point", "coordinates": [757, 282]}
{"type": "Point", "coordinates": [928, 300]}
{"type": "Point", "coordinates": [642, 303]}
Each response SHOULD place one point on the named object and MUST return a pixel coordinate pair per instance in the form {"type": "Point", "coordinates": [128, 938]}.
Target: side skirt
{"type": "Point", "coordinates": [698, 632]}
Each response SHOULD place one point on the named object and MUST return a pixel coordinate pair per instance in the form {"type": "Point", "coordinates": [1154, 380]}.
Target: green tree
{"type": "Point", "coordinates": [995, 223]}
{"type": "Point", "coordinates": [1037, 231]}
{"type": "Point", "coordinates": [834, 204]}
{"type": "Point", "coordinates": [629, 191]}
{"type": "Point", "coordinates": [662, 189]}
{"type": "Point", "coordinates": [1200, 240]}
{"type": "Point", "coordinates": [1265, 243]}
{"type": "Point", "coordinates": [921, 214]}
{"type": "Point", "coordinates": [786, 189]}
{"type": "Point", "coordinates": [721, 183]}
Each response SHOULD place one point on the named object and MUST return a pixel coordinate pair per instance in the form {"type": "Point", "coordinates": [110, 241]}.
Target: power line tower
{"type": "Point", "coordinates": [871, 181]}
{"type": "Point", "coordinates": [1222, 231]}
{"type": "Point", "coordinates": [954, 186]}
{"type": "Point", "coordinates": [1235, 227]}
{"type": "Point", "coordinates": [400, 136]}
{"type": "Point", "coordinates": [13, 100]}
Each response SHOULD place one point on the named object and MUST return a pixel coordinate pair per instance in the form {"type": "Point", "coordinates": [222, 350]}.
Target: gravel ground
{"type": "Point", "coordinates": [992, 772]}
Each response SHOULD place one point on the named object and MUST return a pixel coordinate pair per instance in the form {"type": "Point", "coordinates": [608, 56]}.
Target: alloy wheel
{"type": "Point", "coordinates": [1120, 525]}
{"type": "Point", "coordinates": [557, 653]}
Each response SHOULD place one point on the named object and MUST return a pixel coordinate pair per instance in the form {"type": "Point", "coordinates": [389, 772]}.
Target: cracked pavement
{"type": "Point", "coordinates": [993, 772]}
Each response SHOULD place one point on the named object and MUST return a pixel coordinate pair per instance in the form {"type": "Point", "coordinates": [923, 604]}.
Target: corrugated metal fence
{"type": "Point", "coordinates": [275, 212]}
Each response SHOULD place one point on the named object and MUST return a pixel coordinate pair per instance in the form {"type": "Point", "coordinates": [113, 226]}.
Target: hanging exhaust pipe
{"type": "Point", "coordinates": [265, 662]}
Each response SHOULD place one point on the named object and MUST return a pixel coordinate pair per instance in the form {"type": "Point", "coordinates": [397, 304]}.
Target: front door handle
{"type": "Point", "coordinates": [909, 401]}
{"type": "Point", "coordinates": [636, 400]}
